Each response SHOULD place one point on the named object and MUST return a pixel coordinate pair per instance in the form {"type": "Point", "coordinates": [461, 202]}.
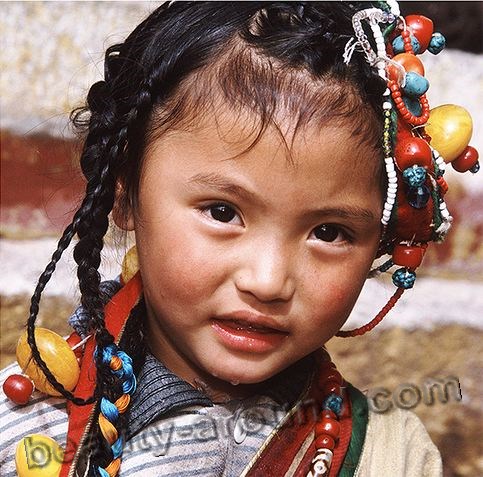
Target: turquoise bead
{"type": "Point", "coordinates": [437, 43]}
{"type": "Point", "coordinates": [398, 45]}
{"type": "Point", "coordinates": [414, 176]}
{"type": "Point", "coordinates": [415, 85]}
{"type": "Point", "coordinates": [413, 105]}
{"type": "Point", "coordinates": [333, 402]}
{"type": "Point", "coordinates": [403, 278]}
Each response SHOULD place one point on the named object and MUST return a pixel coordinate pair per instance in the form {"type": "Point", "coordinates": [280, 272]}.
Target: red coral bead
{"type": "Point", "coordinates": [328, 414]}
{"type": "Point", "coordinates": [331, 387]}
{"type": "Point", "coordinates": [422, 28]}
{"type": "Point", "coordinates": [329, 427]}
{"type": "Point", "coordinates": [18, 388]}
{"type": "Point", "coordinates": [466, 160]}
{"type": "Point", "coordinates": [413, 151]}
{"type": "Point", "coordinates": [333, 376]}
{"type": "Point", "coordinates": [409, 256]}
{"type": "Point", "coordinates": [325, 442]}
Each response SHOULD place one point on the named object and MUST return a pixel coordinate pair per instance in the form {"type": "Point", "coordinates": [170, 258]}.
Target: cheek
{"type": "Point", "coordinates": [174, 266]}
{"type": "Point", "coordinates": [332, 297]}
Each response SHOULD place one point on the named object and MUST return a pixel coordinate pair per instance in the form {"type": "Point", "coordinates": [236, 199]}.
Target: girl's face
{"type": "Point", "coordinates": [253, 259]}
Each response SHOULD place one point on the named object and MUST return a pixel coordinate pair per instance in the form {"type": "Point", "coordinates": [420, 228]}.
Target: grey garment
{"type": "Point", "coordinates": [218, 440]}
{"type": "Point", "coordinates": [174, 430]}
{"type": "Point", "coordinates": [160, 392]}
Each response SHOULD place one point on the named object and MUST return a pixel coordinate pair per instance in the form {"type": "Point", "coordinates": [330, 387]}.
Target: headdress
{"type": "Point", "coordinates": [416, 142]}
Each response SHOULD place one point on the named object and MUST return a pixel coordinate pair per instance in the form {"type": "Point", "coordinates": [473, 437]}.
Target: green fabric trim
{"type": "Point", "coordinates": [360, 417]}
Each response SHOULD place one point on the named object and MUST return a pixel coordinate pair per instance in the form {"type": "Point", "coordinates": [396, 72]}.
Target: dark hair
{"type": "Point", "coordinates": [177, 64]}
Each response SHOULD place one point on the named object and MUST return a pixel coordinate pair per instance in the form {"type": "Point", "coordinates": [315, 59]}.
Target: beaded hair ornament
{"type": "Point", "coordinates": [417, 146]}
{"type": "Point", "coordinates": [417, 142]}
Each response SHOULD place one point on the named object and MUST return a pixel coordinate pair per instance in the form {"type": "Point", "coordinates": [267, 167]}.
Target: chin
{"type": "Point", "coordinates": [246, 373]}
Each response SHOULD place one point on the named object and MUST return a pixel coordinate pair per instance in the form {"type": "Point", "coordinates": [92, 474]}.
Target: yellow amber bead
{"type": "Point", "coordinates": [130, 264]}
{"type": "Point", "coordinates": [58, 356]}
{"type": "Point", "coordinates": [450, 128]}
{"type": "Point", "coordinates": [38, 456]}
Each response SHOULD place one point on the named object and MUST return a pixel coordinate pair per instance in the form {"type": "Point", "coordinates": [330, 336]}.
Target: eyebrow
{"type": "Point", "coordinates": [345, 212]}
{"type": "Point", "coordinates": [222, 184]}
{"type": "Point", "coordinates": [225, 185]}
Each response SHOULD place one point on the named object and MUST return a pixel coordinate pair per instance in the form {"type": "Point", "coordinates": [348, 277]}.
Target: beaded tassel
{"type": "Point", "coordinates": [327, 429]}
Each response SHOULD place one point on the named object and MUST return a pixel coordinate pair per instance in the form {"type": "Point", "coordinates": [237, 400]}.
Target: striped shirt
{"type": "Point", "coordinates": [216, 440]}
{"type": "Point", "coordinates": [173, 429]}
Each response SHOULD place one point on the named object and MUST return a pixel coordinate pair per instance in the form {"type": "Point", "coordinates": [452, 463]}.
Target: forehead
{"type": "Point", "coordinates": [313, 160]}
{"type": "Point", "coordinates": [263, 91]}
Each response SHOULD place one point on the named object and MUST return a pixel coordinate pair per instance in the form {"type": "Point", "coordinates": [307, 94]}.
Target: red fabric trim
{"type": "Point", "coordinates": [279, 454]}
{"type": "Point", "coordinates": [116, 313]}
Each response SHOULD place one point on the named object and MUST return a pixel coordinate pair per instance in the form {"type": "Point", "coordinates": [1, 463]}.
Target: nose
{"type": "Point", "coordinates": [265, 273]}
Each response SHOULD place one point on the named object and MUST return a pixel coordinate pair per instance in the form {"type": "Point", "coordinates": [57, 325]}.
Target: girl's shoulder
{"type": "Point", "coordinates": [42, 415]}
{"type": "Point", "coordinates": [397, 444]}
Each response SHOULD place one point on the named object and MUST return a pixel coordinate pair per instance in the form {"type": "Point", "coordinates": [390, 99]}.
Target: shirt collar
{"type": "Point", "coordinates": [160, 391]}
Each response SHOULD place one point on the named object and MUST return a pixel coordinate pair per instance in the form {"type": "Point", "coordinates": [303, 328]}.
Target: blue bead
{"type": "Point", "coordinates": [403, 278]}
{"type": "Point", "coordinates": [414, 176]}
{"type": "Point", "coordinates": [398, 45]}
{"type": "Point", "coordinates": [333, 402]}
{"type": "Point", "coordinates": [418, 197]}
{"type": "Point", "coordinates": [475, 168]}
{"type": "Point", "coordinates": [416, 85]}
{"type": "Point", "coordinates": [413, 105]}
{"type": "Point", "coordinates": [437, 43]}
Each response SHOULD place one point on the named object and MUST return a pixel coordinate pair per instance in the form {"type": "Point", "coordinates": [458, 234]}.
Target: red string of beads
{"type": "Point", "coordinates": [408, 47]}
{"type": "Point", "coordinates": [401, 107]}
{"type": "Point", "coordinates": [369, 326]}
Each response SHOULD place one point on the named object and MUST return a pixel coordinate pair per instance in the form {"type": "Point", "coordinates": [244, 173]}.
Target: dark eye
{"type": "Point", "coordinates": [327, 233]}
{"type": "Point", "coordinates": [222, 212]}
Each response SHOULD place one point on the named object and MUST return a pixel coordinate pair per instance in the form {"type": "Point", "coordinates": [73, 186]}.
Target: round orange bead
{"type": "Point", "coordinates": [409, 62]}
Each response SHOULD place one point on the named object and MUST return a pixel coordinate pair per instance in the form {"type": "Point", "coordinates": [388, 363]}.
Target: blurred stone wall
{"type": "Point", "coordinates": [51, 52]}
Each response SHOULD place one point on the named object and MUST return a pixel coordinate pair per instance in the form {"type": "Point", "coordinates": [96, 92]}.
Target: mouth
{"type": "Point", "coordinates": [249, 333]}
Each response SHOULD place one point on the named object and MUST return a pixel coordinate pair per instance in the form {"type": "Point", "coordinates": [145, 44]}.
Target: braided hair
{"type": "Point", "coordinates": [170, 71]}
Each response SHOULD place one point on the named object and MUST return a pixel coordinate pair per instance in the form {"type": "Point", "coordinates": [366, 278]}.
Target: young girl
{"type": "Point", "coordinates": [264, 154]}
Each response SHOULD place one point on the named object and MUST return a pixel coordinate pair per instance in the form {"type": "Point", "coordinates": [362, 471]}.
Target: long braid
{"type": "Point", "coordinates": [110, 384]}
